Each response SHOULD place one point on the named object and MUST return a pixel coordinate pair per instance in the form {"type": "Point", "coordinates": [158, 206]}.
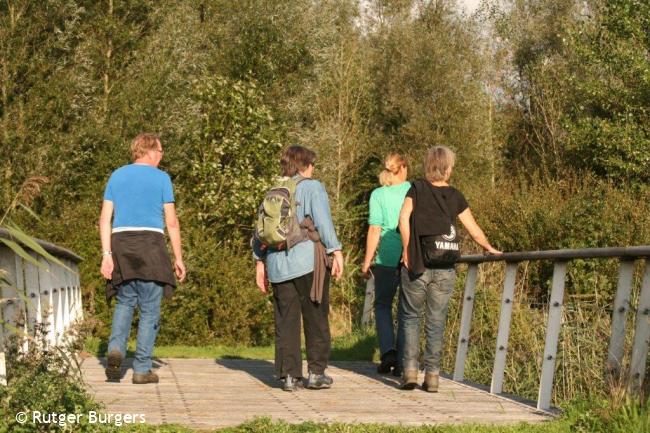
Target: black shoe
{"type": "Point", "coordinates": [291, 384]}
{"type": "Point", "coordinates": [397, 371]}
{"type": "Point", "coordinates": [113, 366]}
{"type": "Point", "coordinates": [388, 361]}
{"type": "Point", "coordinates": [319, 381]}
{"type": "Point", "coordinates": [144, 378]}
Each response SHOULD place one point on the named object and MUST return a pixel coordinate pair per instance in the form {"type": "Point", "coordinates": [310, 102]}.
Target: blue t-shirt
{"type": "Point", "coordinates": [138, 193]}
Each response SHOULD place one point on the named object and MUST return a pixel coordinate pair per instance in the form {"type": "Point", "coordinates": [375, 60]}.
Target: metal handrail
{"type": "Point", "coordinates": [580, 253]}
{"type": "Point", "coordinates": [627, 257]}
{"type": "Point", "coordinates": [55, 250]}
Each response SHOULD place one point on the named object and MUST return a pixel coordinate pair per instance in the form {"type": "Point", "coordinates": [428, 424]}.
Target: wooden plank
{"type": "Point", "coordinates": [244, 389]}
{"type": "Point", "coordinates": [616, 348]}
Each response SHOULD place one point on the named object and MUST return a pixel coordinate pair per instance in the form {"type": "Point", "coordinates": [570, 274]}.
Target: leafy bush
{"type": "Point", "coordinates": [47, 381]}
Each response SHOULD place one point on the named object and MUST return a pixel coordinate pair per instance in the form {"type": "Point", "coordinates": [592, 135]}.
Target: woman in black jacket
{"type": "Point", "coordinates": [427, 224]}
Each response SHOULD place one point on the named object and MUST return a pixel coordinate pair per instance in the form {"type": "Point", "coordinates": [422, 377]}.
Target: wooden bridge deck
{"type": "Point", "coordinates": [207, 394]}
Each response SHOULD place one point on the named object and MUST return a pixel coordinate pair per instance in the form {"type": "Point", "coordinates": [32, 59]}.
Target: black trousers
{"type": "Point", "coordinates": [291, 302]}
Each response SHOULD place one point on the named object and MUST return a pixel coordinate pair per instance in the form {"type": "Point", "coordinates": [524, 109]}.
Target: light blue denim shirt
{"type": "Point", "coordinates": [312, 200]}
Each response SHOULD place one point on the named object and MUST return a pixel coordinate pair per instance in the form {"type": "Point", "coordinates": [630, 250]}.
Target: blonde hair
{"type": "Point", "coordinates": [393, 164]}
{"type": "Point", "coordinates": [438, 163]}
{"type": "Point", "coordinates": [143, 143]}
{"type": "Point", "coordinates": [384, 178]}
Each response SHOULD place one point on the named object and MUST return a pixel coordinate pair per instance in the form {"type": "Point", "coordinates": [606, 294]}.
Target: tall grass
{"type": "Point", "coordinates": [582, 348]}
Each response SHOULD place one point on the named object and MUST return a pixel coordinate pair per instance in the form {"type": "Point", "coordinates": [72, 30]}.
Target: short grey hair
{"type": "Point", "coordinates": [438, 163]}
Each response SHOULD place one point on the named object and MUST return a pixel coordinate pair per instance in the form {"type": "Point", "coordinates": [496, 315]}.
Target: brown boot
{"type": "Point", "coordinates": [142, 378]}
{"type": "Point", "coordinates": [430, 383]}
{"type": "Point", "coordinates": [409, 379]}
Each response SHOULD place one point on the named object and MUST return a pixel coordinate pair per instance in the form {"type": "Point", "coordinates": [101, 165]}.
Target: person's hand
{"type": "Point", "coordinates": [337, 266]}
{"type": "Point", "coordinates": [260, 277]}
{"type": "Point", "coordinates": [179, 268]}
{"type": "Point", "coordinates": [492, 250]}
{"type": "Point", "coordinates": [107, 267]}
{"type": "Point", "coordinates": [405, 259]}
{"type": "Point", "coordinates": [365, 270]}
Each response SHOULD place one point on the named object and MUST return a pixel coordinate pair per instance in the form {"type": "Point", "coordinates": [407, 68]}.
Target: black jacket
{"type": "Point", "coordinates": [140, 255]}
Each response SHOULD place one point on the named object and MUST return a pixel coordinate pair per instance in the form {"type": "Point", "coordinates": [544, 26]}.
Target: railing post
{"type": "Point", "coordinates": [619, 319]}
{"type": "Point", "coordinates": [59, 296]}
{"type": "Point", "coordinates": [77, 283]}
{"type": "Point", "coordinates": [33, 298]}
{"type": "Point", "coordinates": [47, 301]}
{"type": "Point", "coordinates": [20, 310]}
{"type": "Point", "coordinates": [65, 305]}
{"type": "Point", "coordinates": [641, 335]}
{"type": "Point", "coordinates": [369, 301]}
{"type": "Point", "coordinates": [552, 336]}
{"type": "Point", "coordinates": [69, 283]}
{"type": "Point", "coordinates": [465, 322]}
{"type": "Point", "coordinates": [504, 328]}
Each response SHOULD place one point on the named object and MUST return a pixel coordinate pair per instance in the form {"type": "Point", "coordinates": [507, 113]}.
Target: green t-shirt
{"type": "Point", "coordinates": [385, 204]}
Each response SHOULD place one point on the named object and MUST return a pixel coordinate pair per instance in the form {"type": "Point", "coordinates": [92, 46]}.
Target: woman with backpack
{"type": "Point", "coordinates": [297, 268]}
{"type": "Point", "coordinates": [427, 223]}
{"type": "Point", "coordinates": [384, 246]}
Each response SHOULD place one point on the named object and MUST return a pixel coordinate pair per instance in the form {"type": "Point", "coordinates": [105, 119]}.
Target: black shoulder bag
{"type": "Point", "coordinates": [441, 251]}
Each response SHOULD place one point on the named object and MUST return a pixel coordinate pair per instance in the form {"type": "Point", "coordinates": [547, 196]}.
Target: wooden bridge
{"type": "Point", "coordinates": [205, 393]}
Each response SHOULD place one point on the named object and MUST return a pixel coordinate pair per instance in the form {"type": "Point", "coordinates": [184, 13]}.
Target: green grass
{"type": "Point", "coordinates": [580, 416]}
{"type": "Point", "coordinates": [356, 346]}
{"type": "Point", "coordinates": [265, 425]}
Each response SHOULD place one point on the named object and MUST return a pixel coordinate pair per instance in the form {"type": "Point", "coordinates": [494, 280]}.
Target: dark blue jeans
{"type": "Point", "coordinates": [386, 283]}
{"type": "Point", "coordinates": [147, 296]}
{"type": "Point", "coordinates": [428, 293]}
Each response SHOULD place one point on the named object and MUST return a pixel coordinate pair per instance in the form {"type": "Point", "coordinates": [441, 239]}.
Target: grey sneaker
{"type": "Point", "coordinates": [113, 366]}
{"type": "Point", "coordinates": [319, 381]}
{"type": "Point", "coordinates": [291, 384]}
{"type": "Point", "coordinates": [143, 378]}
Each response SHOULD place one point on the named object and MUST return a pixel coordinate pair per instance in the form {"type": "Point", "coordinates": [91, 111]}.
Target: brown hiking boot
{"type": "Point", "coordinates": [409, 379]}
{"type": "Point", "coordinates": [113, 366]}
{"type": "Point", "coordinates": [142, 378]}
{"type": "Point", "coordinates": [430, 383]}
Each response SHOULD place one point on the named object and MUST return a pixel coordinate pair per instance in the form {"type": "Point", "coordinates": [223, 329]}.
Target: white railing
{"type": "Point", "coordinates": [42, 300]}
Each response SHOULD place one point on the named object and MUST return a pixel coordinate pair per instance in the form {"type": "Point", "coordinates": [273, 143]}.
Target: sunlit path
{"type": "Point", "coordinates": [207, 393]}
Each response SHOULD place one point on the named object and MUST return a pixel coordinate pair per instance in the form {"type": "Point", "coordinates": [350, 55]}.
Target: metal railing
{"type": "Point", "coordinates": [627, 257]}
{"type": "Point", "coordinates": [45, 298]}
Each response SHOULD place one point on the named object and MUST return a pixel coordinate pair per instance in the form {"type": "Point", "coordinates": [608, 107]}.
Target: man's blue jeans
{"type": "Point", "coordinates": [386, 283]}
{"type": "Point", "coordinates": [147, 296]}
{"type": "Point", "coordinates": [428, 293]}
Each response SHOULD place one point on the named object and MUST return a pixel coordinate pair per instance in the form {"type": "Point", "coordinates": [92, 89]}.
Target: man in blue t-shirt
{"type": "Point", "coordinates": [134, 253]}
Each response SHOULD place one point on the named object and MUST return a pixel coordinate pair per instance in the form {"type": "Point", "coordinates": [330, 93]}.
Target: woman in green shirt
{"type": "Point", "coordinates": [385, 241]}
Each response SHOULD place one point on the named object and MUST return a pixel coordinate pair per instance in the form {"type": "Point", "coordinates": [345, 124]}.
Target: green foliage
{"type": "Point", "coordinates": [583, 90]}
{"type": "Point", "coordinates": [607, 122]}
{"type": "Point", "coordinates": [44, 381]}
{"type": "Point", "coordinates": [236, 156]}
{"type": "Point", "coordinates": [603, 416]}
{"type": "Point", "coordinates": [221, 285]}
